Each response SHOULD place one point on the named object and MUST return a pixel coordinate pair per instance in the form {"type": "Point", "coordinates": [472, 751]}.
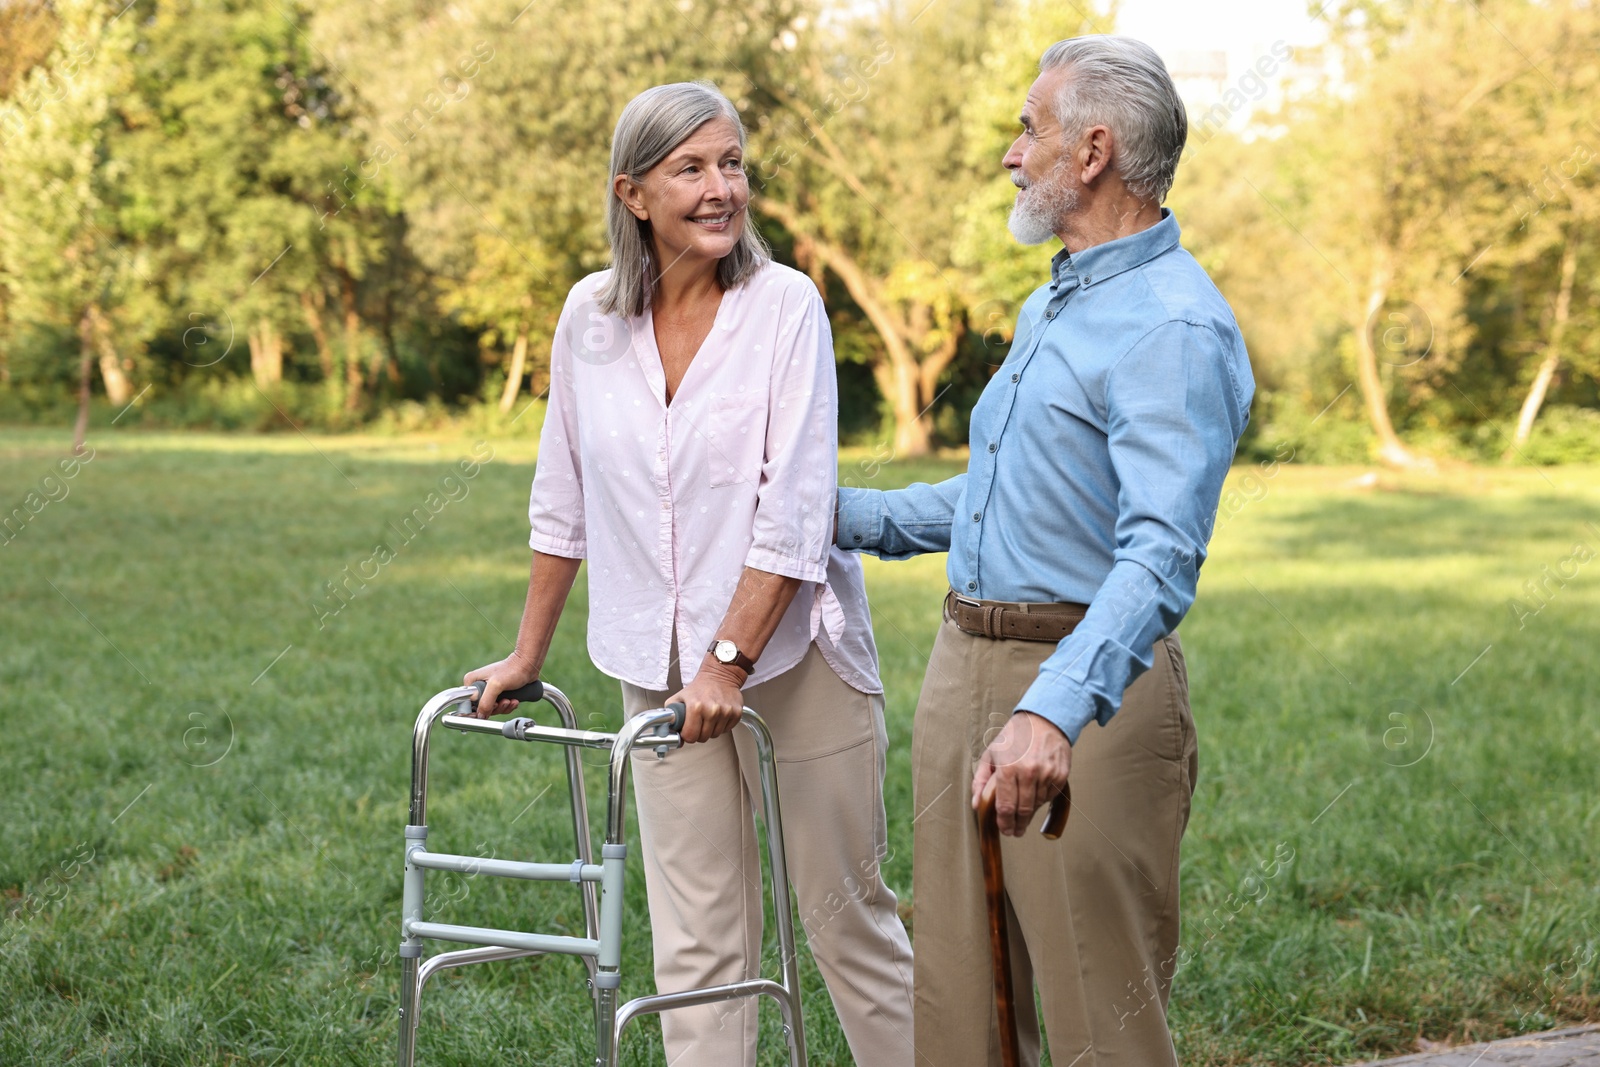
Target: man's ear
{"type": "Point", "coordinates": [1093, 153]}
{"type": "Point", "coordinates": [630, 194]}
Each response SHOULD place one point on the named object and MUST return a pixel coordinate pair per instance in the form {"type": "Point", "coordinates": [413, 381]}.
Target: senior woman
{"type": "Point", "coordinates": [689, 453]}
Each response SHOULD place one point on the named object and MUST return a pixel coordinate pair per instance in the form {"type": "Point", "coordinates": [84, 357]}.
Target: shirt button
{"type": "Point", "coordinates": [971, 586]}
{"type": "Point", "coordinates": [992, 446]}
{"type": "Point", "coordinates": [976, 515]}
{"type": "Point", "coordinates": [858, 539]}
{"type": "Point", "coordinates": [1016, 377]}
{"type": "Point", "coordinates": [1049, 314]}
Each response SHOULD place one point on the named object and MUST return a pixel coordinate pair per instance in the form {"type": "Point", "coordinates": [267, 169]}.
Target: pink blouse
{"type": "Point", "coordinates": [670, 502]}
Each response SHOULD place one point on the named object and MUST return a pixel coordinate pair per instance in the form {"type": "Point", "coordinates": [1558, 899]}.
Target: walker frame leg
{"type": "Point", "coordinates": [601, 947]}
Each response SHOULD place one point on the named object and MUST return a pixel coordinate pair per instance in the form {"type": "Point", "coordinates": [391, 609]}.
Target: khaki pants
{"type": "Point", "coordinates": [1093, 917]}
{"type": "Point", "coordinates": [704, 875]}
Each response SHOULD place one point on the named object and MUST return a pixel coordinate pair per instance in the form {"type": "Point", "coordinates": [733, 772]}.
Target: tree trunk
{"type": "Point", "coordinates": [934, 365]}
{"type": "Point", "coordinates": [80, 428]}
{"type": "Point", "coordinates": [898, 382]}
{"type": "Point", "coordinates": [118, 389]}
{"type": "Point", "coordinates": [266, 354]}
{"type": "Point", "coordinates": [1390, 450]}
{"type": "Point", "coordinates": [390, 354]}
{"type": "Point", "coordinates": [519, 360]}
{"type": "Point", "coordinates": [352, 342]}
{"type": "Point", "coordinates": [1552, 354]}
{"type": "Point", "coordinates": [311, 301]}
{"type": "Point", "coordinates": [383, 364]}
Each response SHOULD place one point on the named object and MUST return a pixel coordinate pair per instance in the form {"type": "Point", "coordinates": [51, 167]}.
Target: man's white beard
{"type": "Point", "coordinates": [1041, 206]}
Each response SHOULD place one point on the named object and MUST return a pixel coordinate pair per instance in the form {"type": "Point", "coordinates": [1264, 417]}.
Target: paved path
{"type": "Point", "coordinates": [1575, 1047]}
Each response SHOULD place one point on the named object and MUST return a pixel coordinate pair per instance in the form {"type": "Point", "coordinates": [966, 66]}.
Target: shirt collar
{"type": "Point", "coordinates": [1102, 261]}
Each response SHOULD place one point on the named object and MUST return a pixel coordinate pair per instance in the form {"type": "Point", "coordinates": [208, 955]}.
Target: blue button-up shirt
{"type": "Point", "coordinates": [1098, 454]}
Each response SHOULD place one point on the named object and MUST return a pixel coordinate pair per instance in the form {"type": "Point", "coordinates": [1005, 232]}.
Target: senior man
{"type": "Point", "coordinates": [1075, 539]}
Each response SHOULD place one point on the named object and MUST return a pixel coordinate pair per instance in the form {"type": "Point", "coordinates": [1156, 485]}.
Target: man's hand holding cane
{"type": "Point", "coordinates": [1024, 768]}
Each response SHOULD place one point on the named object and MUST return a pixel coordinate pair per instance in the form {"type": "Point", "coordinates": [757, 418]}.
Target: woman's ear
{"type": "Point", "coordinates": [631, 195]}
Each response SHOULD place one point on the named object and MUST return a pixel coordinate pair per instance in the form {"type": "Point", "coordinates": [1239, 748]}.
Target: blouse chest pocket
{"type": "Point", "coordinates": [736, 439]}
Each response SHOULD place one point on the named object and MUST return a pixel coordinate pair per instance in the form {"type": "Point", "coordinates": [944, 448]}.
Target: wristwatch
{"type": "Point", "coordinates": [727, 652]}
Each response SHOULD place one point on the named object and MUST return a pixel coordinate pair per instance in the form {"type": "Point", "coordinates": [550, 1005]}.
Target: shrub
{"type": "Point", "coordinates": [1564, 434]}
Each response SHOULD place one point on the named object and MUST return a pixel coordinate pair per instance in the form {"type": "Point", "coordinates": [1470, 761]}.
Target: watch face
{"type": "Point", "coordinates": [725, 651]}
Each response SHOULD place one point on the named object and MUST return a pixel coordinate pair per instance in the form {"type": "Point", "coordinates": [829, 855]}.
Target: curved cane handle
{"type": "Point", "coordinates": [1055, 824]}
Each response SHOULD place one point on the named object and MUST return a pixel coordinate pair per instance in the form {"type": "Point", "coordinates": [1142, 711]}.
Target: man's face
{"type": "Point", "coordinates": [1041, 166]}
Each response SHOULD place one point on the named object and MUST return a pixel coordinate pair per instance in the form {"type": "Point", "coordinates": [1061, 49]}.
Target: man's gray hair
{"type": "Point", "coordinates": [651, 126]}
{"type": "Point", "coordinates": [1121, 83]}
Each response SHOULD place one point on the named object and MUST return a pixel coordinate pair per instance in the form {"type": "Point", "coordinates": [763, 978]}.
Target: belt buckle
{"type": "Point", "coordinates": [965, 601]}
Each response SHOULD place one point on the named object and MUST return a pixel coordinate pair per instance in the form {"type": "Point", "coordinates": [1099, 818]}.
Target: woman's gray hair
{"type": "Point", "coordinates": [652, 125]}
{"type": "Point", "coordinates": [1122, 83]}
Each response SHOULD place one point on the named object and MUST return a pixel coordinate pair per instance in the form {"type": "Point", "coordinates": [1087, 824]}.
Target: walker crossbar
{"type": "Point", "coordinates": [478, 935]}
{"type": "Point", "coordinates": [601, 948]}
{"type": "Point", "coordinates": [534, 872]}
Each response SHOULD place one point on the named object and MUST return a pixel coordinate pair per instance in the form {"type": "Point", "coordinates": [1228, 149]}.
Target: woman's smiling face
{"type": "Point", "coordinates": [695, 198]}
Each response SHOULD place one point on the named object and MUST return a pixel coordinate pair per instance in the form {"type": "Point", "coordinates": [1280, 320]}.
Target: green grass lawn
{"type": "Point", "coordinates": [200, 829]}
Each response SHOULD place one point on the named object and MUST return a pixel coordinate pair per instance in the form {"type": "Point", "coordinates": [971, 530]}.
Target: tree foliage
{"type": "Point", "coordinates": [339, 206]}
{"type": "Point", "coordinates": [1411, 234]}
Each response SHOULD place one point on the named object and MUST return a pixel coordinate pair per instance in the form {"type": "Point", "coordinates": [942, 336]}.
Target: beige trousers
{"type": "Point", "coordinates": [704, 874]}
{"type": "Point", "coordinates": [1093, 917]}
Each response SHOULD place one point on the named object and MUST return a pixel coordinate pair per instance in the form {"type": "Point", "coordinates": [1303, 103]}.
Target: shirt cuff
{"type": "Point", "coordinates": [806, 570]}
{"type": "Point", "coordinates": [861, 513]}
{"type": "Point", "coordinates": [564, 547]}
{"type": "Point", "coordinates": [1064, 703]}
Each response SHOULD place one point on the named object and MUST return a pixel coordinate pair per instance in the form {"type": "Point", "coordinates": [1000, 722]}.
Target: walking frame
{"type": "Point", "coordinates": [601, 946]}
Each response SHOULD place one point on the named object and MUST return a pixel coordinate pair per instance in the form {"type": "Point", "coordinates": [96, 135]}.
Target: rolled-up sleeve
{"type": "Point", "coordinates": [555, 505]}
{"type": "Point", "coordinates": [1174, 416]}
{"type": "Point", "coordinates": [793, 526]}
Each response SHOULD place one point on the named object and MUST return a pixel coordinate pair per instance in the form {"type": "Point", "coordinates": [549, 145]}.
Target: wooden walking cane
{"type": "Point", "coordinates": [994, 891]}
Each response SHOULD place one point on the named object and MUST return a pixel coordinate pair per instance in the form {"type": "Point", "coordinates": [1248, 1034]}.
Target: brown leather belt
{"type": "Point", "coordinates": [1018, 622]}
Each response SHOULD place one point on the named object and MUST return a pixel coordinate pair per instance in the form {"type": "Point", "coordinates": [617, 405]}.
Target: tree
{"type": "Point", "coordinates": [1397, 216]}
{"type": "Point", "coordinates": [490, 123]}
{"type": "Point", "coordinates": [62, 243]}
{"type": "Point", "coordinates": [28, 31]}
{"type": "Point", "coordinates": [892, 137]}
{"type": "Point", "coordinates": [854, 166]}
{"type": "Point", "coordinates": [1554, 212]}
{"type": "Point", "coordinates": [238, 97]}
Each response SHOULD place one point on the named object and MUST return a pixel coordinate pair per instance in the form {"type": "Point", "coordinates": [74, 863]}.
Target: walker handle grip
{"type": "Point", "coordinates": [680, 712]}
{"type": "Point", "coordinates": [533, 691]}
